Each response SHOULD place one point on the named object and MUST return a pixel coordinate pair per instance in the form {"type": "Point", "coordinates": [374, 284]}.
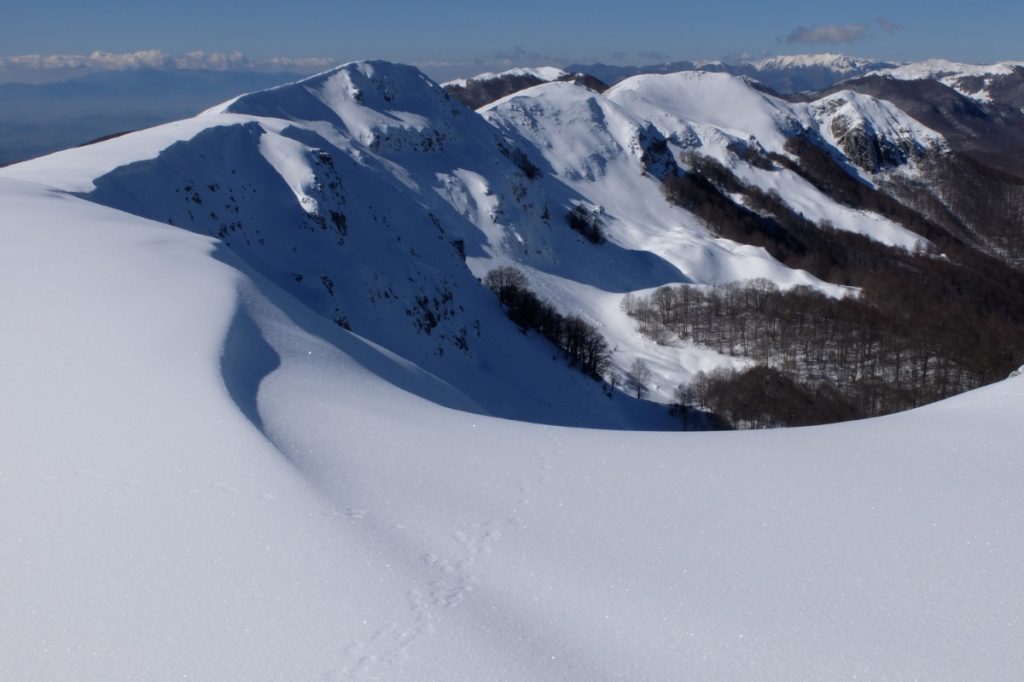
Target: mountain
{"type": "Point", "coordinates": [981, 185]}
{"type": "Point", "coordinates": [596, 142]}
{"type": "Point", "coordinates": [979, 109]}
{"type": "Point", "coordinates": [387, 207]}
{"type": "Point", "coordinates": [203, 478]}
{"type": "Point", "coordinates": [996, 92]}
{"type": "Point", "coordinates": [367, 191]}
{"type": "Point", "coordinates": [1000, 83]}
{"type": "Point", "coordinates": [485, 88]}
{"type": "Point", "coordinates": [800, 73]}
{"type": "Point", "coordinates": [784, 74]}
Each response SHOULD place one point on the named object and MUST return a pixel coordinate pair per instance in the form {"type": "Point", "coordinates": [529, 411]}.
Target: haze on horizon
{"type": "Point", "coordinates": [53, 39]}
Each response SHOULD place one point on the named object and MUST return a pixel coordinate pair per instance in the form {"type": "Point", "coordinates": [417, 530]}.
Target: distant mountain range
{"type": "Point", "coordinates": [786, 74]}
{"type": "Point", "coordinates": [979, 108]}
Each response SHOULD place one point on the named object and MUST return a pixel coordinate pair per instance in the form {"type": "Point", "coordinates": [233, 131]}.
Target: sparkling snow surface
{"type": "Point", "coordinates": [201, 480]}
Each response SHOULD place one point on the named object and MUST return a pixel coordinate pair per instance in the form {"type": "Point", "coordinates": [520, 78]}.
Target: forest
{"type": "Point", "coordinates": [918, 326]}
{"type": "Point", "coordinates": [583, 345]}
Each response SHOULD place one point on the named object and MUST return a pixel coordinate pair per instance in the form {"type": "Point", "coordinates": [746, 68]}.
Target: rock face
{"type": "Point", "coordinates": [989, 131]}
{"type": "Point", "coordinates": [865, 149]}
{"type": "Point", "coordinates": [871, 150]}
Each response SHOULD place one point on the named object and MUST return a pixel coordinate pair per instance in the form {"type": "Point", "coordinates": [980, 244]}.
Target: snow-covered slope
{"type": "Point", "coordinates": [541, 73]}
{"type": "Point", "coordinates": [785, 73]}
{"type": "Point", "coordinates": [199, 478]}
{"type": "Point", "coordinates": [714, 113]}
{"type": "Point", "coordinates": [972, 80]}
{"type": "Point", "coordinates": [485, 88]}
{"type": "Point", "coordinates": [615, 159]}
{"type": "Point", "coordinates": [378, 200]}
{"type": "Point", "coordinates": [832, 61]}
{"type": "Point", "coordinates": [720, 107]}
{"type": "Point", "coordinates": [718, 102]}
{"type": "Point", "coordinates": [364, 191]}
{"type": "Point", "coordinates": [872, 133]}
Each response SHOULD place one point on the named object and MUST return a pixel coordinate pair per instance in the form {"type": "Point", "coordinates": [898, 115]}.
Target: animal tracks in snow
{"type": "Point", "coordinates": [451, 578]}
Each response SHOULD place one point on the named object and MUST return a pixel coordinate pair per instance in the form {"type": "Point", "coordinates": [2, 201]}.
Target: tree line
{"type": "Point", "coordinates": [925, 325]}
{"type": "Point", "coordinates": [584, 346]}
{"type": "Point", "coordinates": [853, 357]}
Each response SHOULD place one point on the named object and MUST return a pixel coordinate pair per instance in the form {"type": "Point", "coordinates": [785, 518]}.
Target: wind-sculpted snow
{"type": "Point", "coordinates": [152, 530]}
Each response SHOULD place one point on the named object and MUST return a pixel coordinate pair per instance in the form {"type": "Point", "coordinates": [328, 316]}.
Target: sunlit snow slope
{"type": "Point", "coordinates": [201, 479]}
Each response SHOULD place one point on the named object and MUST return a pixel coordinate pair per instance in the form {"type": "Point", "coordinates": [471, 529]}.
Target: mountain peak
{"type": "Point", "coordinates": [541, 73]}
{"type": "Point", "coordinates": [830, 60]}
{"type": "Point", "coordinates": [375, 84]}
{"type": "Point", "coordinates": [942, 68]}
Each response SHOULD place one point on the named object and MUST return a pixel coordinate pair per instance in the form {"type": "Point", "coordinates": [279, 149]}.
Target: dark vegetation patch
{"type": "Point", "coordinates": [584, 346]}
{"type": "Point", "coordinates": [521, 161]}
{"type": "Point", "coordinates": [925, 326]}
{"type": "Point", "coordinates": [586, 222]}
{"type": "Point", "coordinates": [478, 93]}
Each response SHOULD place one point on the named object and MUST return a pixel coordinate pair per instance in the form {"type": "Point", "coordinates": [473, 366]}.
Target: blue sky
{"type": "Point", "coordinates": [467, 34]}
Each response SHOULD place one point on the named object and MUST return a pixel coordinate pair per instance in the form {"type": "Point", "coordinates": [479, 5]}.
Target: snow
{"type": "Point", "coordinates": [839, 63]}
{"type": "Point", "coordinates": [350, 189]}
{"type": "Point", "coordinates": [724, 102]}
{"type": "Point", "coordinates": [252, 172]}
{"type": "Point", "coordinates": [593, 145]}
{"type": "Point", "coordinates": [588, 138]}
{"type": "Point", "coordinates": [544, 73]}
{"type": "Point", "coordinates": [884, 118]}
{"type": "Point", "coordinates": [954, 75]}
{"type": "Point", "coordinates": [76, 169]}
{"type": "Point", "coordinates": [942, 68]}
{"type": "Point", "coordinates": [200, 478]}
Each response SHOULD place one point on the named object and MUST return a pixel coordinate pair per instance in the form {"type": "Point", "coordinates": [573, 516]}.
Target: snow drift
{"type": "Point", "coordinates": [201, 478]}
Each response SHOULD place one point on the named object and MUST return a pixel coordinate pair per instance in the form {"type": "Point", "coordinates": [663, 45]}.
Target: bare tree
{"type": "Point", "coordinates": [639, 376]}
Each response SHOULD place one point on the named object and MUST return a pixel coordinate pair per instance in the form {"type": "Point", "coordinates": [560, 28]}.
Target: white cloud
{"type": "Point", "coordinates": [156, 59]}
{"type": "Point", "coordinates": [298, 63]}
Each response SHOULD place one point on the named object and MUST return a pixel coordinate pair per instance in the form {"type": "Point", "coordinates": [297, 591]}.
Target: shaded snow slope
{"type": "Point", "coordinates": [363, 192]}
{"type": "Point", "coordinates": [201, 479]}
